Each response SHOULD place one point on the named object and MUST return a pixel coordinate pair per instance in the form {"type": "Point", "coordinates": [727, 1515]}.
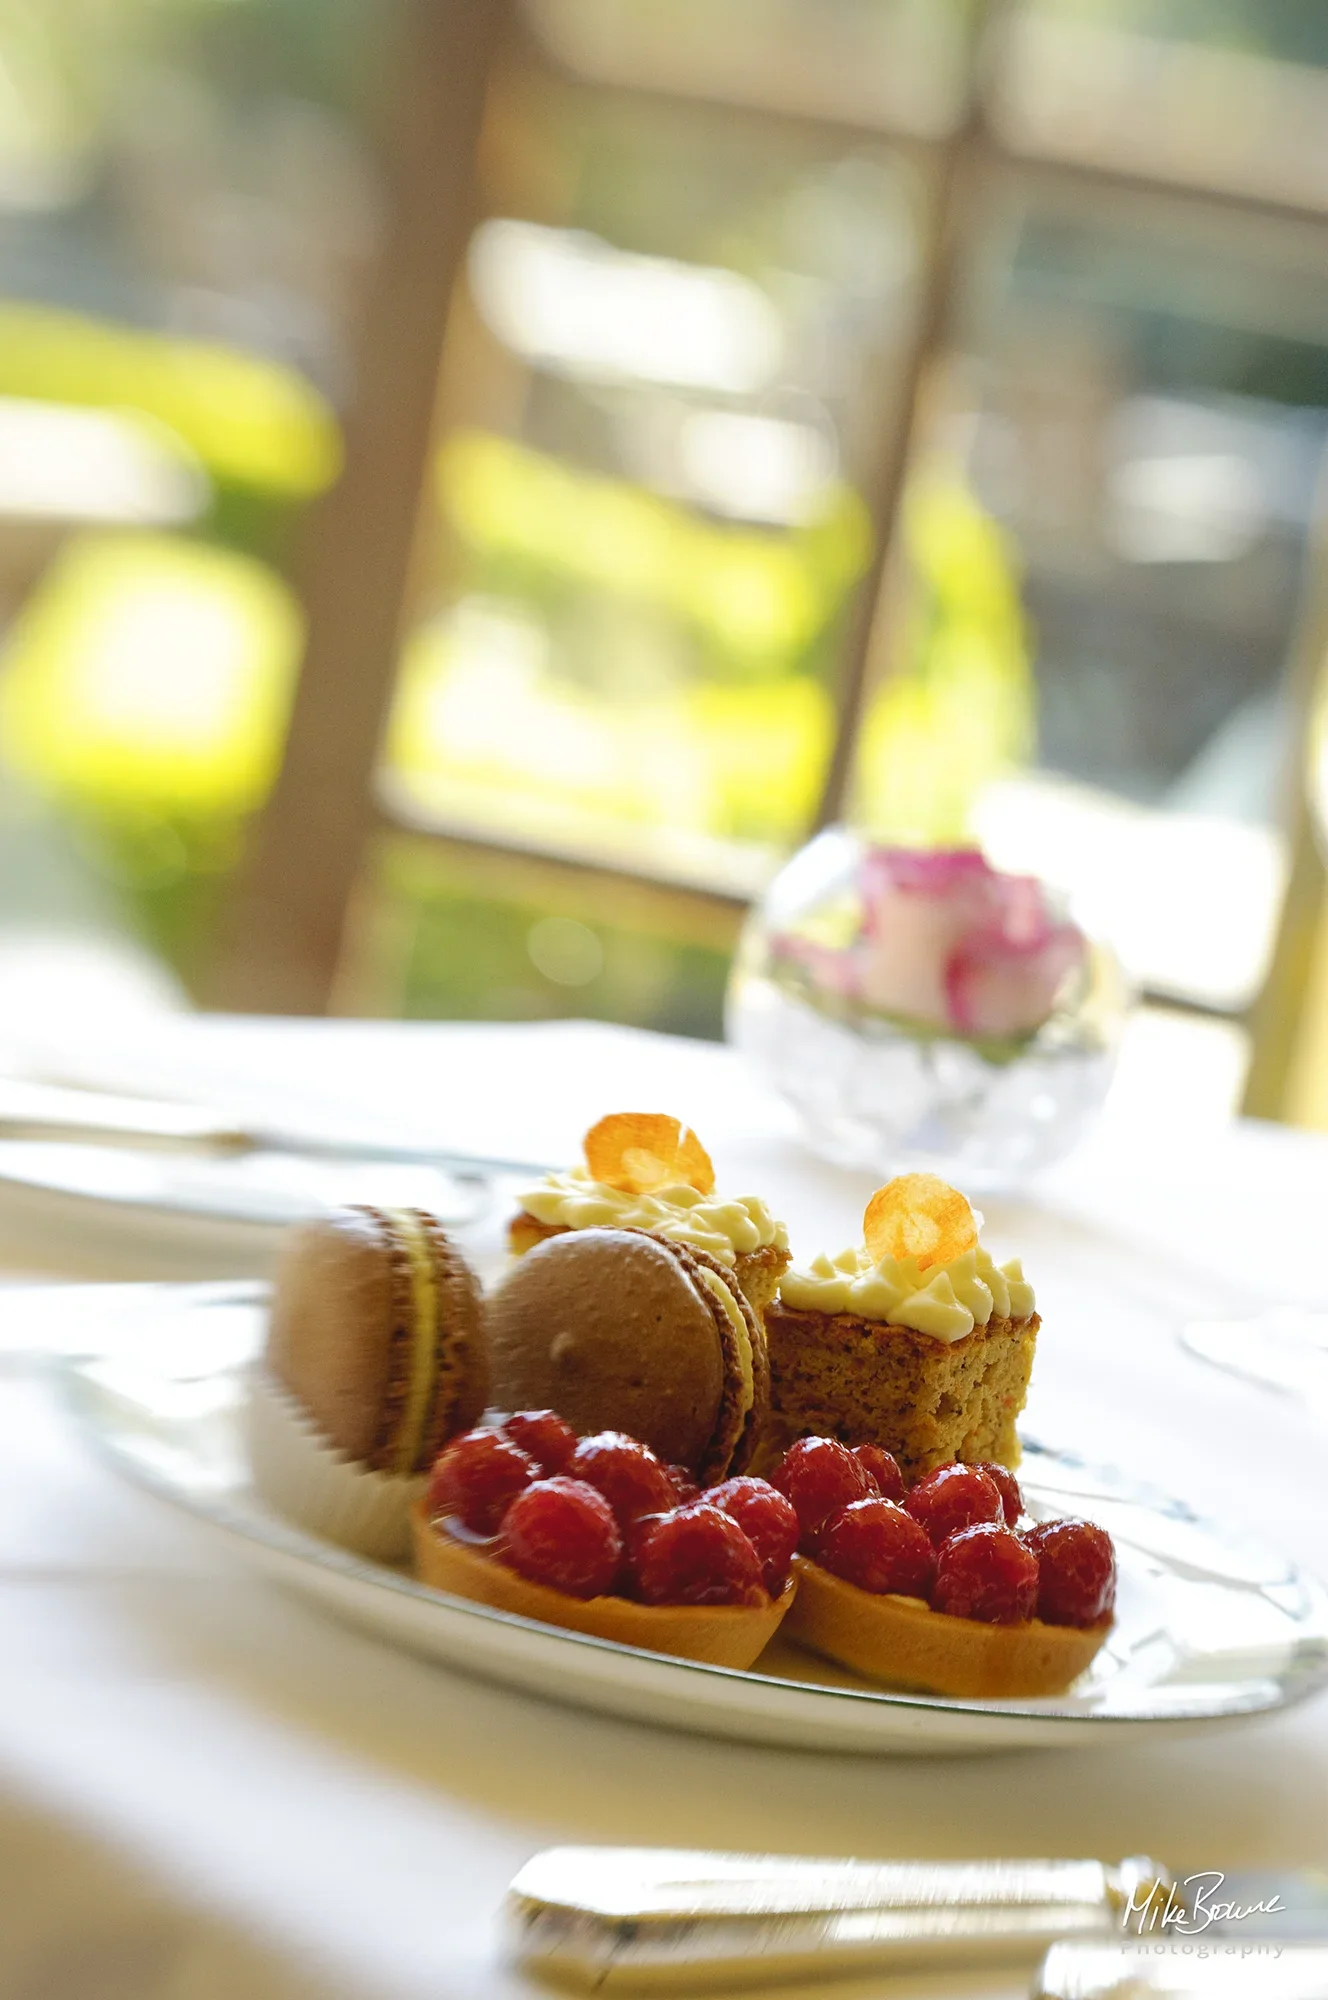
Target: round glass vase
{"type": "Point", "coordinates": [920, 1010]}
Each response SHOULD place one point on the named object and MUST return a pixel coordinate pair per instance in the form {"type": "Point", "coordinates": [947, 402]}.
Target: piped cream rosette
{"type": "Point", "coordinates": [921, 1266]}
{"type": "Point", "coordinates": [645, 1170]}
{"type": "Point", "coordinates": [722, 1228]}
{"type": "Point", "coordinates": [946, 1303]}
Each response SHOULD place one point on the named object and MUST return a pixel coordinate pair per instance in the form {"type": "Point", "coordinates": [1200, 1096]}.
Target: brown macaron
{"type": "Point", "coordinates": [619, 1330]}
{"type": "Point", "coordinates": [376, 1328]}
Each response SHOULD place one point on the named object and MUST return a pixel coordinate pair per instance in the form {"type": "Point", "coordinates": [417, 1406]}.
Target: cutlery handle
{"type": "Point", "coordinates": [644, 1917]}
{"type": "Point", "coordinates": [47, 1111]}
{"type": "Point", "coordinates": [102, 1118]}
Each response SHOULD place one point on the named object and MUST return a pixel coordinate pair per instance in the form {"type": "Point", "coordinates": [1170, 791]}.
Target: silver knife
{"type": "Point", "coordinates": [31, 1110]}
{"type": "Point", "coordinates": [620, 1918]}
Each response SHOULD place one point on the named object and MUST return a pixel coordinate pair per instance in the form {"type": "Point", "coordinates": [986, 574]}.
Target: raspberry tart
{"type": "Point", "coordinates": [950, 1590]}
{"type": "Point", "coordinates": [600, 1536]}
{"type": "Point", "coordinates": [645, 1170]}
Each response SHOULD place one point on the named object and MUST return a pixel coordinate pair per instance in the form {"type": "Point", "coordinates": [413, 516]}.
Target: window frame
{"type": "Point", "coordinates": [296, 921]}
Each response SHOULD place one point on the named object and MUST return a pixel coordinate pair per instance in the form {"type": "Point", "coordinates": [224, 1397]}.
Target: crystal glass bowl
{"type": "Point", "coordinates": [918, 1009]}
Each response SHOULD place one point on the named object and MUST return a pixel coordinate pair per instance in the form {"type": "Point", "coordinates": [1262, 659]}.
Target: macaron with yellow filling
{"type": "Point", "coordinates": [375, 1357]}
{"type": "Point", "coordinates": [617, 1329]}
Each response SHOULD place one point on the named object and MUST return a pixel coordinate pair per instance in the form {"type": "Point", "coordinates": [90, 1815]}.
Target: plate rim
{"type": "Point", "coordinates": [187, 1215]}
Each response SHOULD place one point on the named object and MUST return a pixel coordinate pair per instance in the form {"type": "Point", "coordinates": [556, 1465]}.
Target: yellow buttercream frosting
{"type": "Point", "coordinates": [423, 1334]}
{"type": "Point", "coordinates": [946, 1301]}
{"type": "Point", "coordinates": [726, 1229]}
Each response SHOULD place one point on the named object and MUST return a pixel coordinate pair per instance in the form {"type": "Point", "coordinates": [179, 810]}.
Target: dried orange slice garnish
{"type": "Point", "coordinates": [639, 1151]}
{"type": "Point", "coordinates": [919, 1216]}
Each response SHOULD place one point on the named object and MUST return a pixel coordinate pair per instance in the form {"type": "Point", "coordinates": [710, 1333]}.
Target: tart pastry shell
{"type": "Point", "coordinates": [902, 1640]}
{"type": "Point", "coordinates": [721, 1635]}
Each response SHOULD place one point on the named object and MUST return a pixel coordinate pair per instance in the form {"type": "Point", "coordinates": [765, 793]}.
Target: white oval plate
{"type": "Point", "coordinates": [1211, 1628]}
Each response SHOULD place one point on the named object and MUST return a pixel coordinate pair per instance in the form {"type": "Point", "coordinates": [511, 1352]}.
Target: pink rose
{"type": "Point", "coordinates": [948, 941]}
{"type": "Point", "coordinates": [999, 985]}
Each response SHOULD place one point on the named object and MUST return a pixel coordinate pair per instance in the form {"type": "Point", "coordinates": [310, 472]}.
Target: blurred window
{"type": "Point", "coordinates": [636, 648]}
{"type": "Point", "coordinates": [722, 244]}
{"type": "Point", "coordinates": [650, 527]}
{"type": "Point", "coordinates": [187, 210]}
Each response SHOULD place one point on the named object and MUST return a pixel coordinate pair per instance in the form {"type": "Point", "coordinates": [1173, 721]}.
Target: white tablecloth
{"type": "Point", "coordinates": [208, 1790]}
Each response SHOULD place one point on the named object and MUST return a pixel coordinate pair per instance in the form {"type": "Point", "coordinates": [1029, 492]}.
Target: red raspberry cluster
{"type": "Point", "coordinates": [952, 1539]}
{"type": "Point", "coordinates": [602, 1514]}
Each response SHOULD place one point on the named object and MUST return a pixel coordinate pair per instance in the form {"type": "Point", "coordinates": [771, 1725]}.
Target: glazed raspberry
{"type": "Point", "coordinates": [985, 1572]}
{"type": "Point", "coordinates": [954, 1497]}
{"type": "Point", "coordinates": [1076, 1572]}
{"type": "Point", "coordinates": [549, 1438]}
{"type": "Point", "coordinates": [698, 1555]}
{"type": "Point", "coordinates": [562, 1533]}
{"type": "Point", "coordinates": [476, 1477]}
{"type": "Point", "coordinates": [820, 1476]}
{"type": "Point", "coordinates": [768, 1520]}
{"type": "Point", "coordinates": [633, 1541]}
{"type": "Point", "coordinates": [1001, 1477]}
{"type": "Point", "coordinates": [626, 1472]}
{"type": "Point", "coordinates": [882, 1469]}
{"type": "Point", "coordinates": [684, 1485]}
{"type": "Point", "coordinates": [876, 1545]}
